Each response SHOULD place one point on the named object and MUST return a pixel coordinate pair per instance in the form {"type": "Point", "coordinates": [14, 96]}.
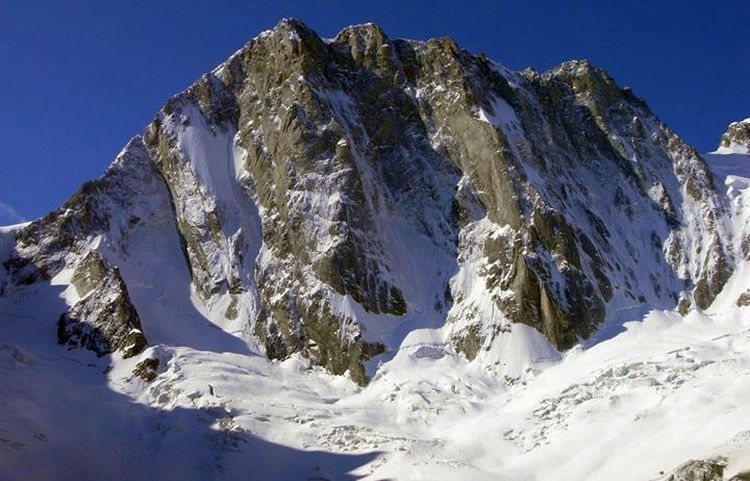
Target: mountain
{"type": "Point", "coordinates": [400, 213]}
{"type": "Point", "coordinates": [737, 138]}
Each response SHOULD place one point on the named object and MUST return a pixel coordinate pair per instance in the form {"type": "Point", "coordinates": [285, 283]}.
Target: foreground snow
{"type": "Point", "coordinates": [633, 407]}
{"type": "Point", "coordinates": [667, 390]}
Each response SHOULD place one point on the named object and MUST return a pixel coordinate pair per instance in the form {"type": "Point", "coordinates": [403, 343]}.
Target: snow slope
{"type": "Point", "coordinates": [668, 389]}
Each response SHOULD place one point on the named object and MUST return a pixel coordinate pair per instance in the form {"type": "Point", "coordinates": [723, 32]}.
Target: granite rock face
{"type": "Point", "coordinates": [103, 320]}
{"type": "Point", "coordinates": [329, 196]}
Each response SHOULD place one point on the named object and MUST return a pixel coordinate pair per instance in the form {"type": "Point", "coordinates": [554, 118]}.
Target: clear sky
{"type": "Point", "coordinates": [79, 78]}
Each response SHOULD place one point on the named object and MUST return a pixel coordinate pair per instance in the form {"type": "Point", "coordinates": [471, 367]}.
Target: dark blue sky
{"type": "Point", "coordinates": [79, 78]}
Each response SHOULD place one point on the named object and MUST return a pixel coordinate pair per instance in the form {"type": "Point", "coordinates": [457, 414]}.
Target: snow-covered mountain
{"type": "Point", "coordinates": [736, 140]}
{"type": "Point", "coordinates": [367, 257]}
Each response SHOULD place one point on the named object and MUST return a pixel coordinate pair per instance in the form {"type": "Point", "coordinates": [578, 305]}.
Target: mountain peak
{"type": "Point", "coordinates": [390, 131]}
{"type": "Point", "coordinates": [736, 139]}
{"type": "Point", "coordinates": [363, 30]}
{"type": "Point", "coordinates": [294, 24]}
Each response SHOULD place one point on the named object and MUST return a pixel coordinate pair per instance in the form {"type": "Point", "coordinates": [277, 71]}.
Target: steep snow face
{"type": "Point", "coordinates": [733, 171]}
{"type": "Point", "coordinates": [217, 218]}
{"type": "Point", "coordinates": [329, 197]}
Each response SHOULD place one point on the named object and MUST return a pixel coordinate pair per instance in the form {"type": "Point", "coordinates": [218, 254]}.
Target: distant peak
{"type": "Point", "coordinates": [736, 140]}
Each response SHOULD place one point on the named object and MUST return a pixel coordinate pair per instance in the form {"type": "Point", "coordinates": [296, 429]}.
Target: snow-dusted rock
{"type": "Point", "coordinates": [736, 139]}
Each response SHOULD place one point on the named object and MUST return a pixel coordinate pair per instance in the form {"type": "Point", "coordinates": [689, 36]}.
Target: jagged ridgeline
{"type": "Point", "coordinates": [327, 197]}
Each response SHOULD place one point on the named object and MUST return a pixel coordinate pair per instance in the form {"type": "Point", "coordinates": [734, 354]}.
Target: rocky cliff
{"type": "Point", "coordinates": [327, 197]}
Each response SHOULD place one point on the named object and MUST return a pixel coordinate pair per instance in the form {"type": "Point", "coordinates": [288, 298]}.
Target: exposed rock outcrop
{"type": "Point", "coordinates": [699, 470]}
{"type": "Point", "coordinates": [103, 320]}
